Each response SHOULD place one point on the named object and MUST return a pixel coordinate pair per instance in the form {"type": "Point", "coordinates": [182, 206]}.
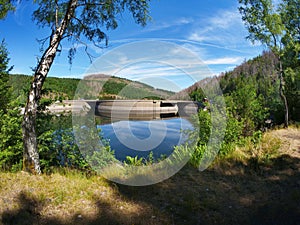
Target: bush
{"type": "Point", "coordinates": [11, 145]}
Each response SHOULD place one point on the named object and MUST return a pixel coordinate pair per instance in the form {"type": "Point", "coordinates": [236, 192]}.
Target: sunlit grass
{"type": "Point", "coordinates": [61, 195]}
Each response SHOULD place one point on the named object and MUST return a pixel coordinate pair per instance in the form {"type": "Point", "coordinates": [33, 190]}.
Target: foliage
{"type": "Point", "coordinates": [204, 127]}
{"type": "Point", "coordinates": [232, 137]}
{"type": "Point", "coordinates": [263, 23]}
{"type": "Point", "coordinates": [4, 77]}
{"type": "Point", "coordinates": [58, 149]}
{"type": "Point", "coordinates": [260, 76]}
{"type": "Point", "coordinates": [5, 7]}
{"type": "Point", "coordinates": [11, 145]}
{"type": "Point", "coordinates": [290, 14]}
{"type": "Point", "coordinates": [145, 161]}
{"type": "Point", "coordinates": [197, 95]}
{"type": "Point", "coordinates": [76, 21]}
{"type": "Point", "coordinates": [197, 155]}
{"type": "Point", "coordinates": [246, 107]}
{"type": "Point", "coordinates": [113, 87]}
{"type": "Point", "coordinates": [90, 19]}
{"type": "Point", "coordinates": [10, 120]}
{"type": "Point", "coordinates": [252, 96]}
{"type": "Point", "coordinates": [57, 146]}
{"type": "Point", "coordinates": [133, 161]}
{"type": "Point", "coordinates": [59, 89]}
{"type": "Point", "coordinates": [293, 92]}
{"type": "Point", "coordinates": [55, 88]}
{"type": "Point", "coordinates": [125, 89]}
{"type": "Point", "coordinates": [93, 147]}
{"type": "Point", "coordinates": [245, 114]}
{"type": "Point", "coordinates": [277, 26]}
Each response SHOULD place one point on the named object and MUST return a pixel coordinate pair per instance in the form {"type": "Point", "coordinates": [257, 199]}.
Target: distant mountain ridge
{"type": "Point", "coordinates": [258, 76]}
{"type": "Point", "coordinates": [110, 87]}
{"type": "Point", "coordinates": [262, 65]}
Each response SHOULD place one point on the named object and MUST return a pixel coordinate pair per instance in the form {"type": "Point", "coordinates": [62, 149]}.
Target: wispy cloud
{"type": "Point", "coordinates": [225, 28]}
{"type": "Point", "coordinates": [165, 25]}
{"type": "Point", "coordinates": [224, 61]}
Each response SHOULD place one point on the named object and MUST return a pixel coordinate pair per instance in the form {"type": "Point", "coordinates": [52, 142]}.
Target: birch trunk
{"type": "Point", "coordinates": [282, 96]}
{"type": "Point", "coordinates": [31, 162]}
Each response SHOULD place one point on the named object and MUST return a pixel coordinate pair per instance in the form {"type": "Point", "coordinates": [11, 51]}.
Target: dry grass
{"type": "Point", "coordinates": [291, 141]}
{"type": "Point", "coordinates": [258, 186]}
{"type": "Point", "coordinates": [71, 198]}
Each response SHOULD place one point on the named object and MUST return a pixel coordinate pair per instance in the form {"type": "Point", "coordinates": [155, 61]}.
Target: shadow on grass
{"type": "Point", "coordinates": [29, 213]}
{"type": "Point", "coordinates": [232, 192]}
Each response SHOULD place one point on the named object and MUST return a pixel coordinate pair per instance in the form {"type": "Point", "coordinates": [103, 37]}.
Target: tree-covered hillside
{"type": "Point", "coordinates": [261, 73]}
{"type": "Point", "coordinates": [111, 87]}
{"type": "Point", "coordinates": [65, 88]}
{"type": "Point", "coordinates": [56, 88]}
{"type": "Point", "coordinates": [252, 87]}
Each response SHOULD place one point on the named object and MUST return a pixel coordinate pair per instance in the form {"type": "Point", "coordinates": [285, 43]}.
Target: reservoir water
{"type": "Point", "coordinates": [140, 137]}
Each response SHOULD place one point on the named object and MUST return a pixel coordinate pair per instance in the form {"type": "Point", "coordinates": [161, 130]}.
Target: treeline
{"type": "Point", "coordinates": [119, 88]}
{"type": "Point", "coordinates": [55, 88]}
{"type": "Point", "coordinates": [58, 89]}
{"type": "Point", "coordinates": [259, 77]}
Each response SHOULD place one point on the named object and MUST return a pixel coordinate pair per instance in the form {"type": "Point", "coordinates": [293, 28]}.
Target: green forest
{"type": "Point", "coordinates": [59, 89]}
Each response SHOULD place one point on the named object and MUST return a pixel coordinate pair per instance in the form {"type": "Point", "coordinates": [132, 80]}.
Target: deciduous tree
{"type": "Point", "coordinates": [75, 21]}
{"type": "Point", "coordinates": [269, 24]}
{"type": "Point", "coordinates": [5, 7]}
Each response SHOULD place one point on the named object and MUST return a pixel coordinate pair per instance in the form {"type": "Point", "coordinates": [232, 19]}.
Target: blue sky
{"type": "Point", "coordinates": [212, 30]}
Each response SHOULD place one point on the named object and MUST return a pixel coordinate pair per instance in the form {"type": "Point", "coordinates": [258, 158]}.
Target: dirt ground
{"type": "Point", "coordinates": [291, 139]}
{"type": "Point", "coordinates": [230, 192]}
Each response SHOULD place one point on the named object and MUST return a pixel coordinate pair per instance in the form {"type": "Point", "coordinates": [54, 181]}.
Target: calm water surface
{"type": "Point", "coordinates": [139, 138]}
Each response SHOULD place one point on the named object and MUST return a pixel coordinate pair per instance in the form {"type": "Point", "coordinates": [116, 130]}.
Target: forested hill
{"type": "Point", "coordinates": [58, 88]}
{"type": "Point", "coordinates": [255, 79]}
{"type": "Point", "coordinates": [65, 88]}
{"type": "Point", "coordinates": [111, 87]}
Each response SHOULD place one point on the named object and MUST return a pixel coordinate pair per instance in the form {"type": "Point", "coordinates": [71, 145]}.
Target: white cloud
{"type": "Point", "coordinates": [225, 19]}
{"type": "Point", "coordinates": [225, 61]}
{"type": "Point", "coordinates": [225, 28]}
{"type": "Point", "coordinates": [164, 25]}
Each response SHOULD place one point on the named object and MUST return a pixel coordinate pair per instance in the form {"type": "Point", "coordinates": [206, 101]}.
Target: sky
{"type": "Point", "coordinates": [184, 42]}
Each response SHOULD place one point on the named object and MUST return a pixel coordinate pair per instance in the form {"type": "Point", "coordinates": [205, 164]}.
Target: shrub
{"type": "Point", "coordinates": [11, 145]}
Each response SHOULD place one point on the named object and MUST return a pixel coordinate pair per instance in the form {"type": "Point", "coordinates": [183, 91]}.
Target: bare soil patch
{"type": "Point", "coordinates": [291, 141]}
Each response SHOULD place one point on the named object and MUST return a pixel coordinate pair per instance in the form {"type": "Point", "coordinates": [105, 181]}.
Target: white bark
{"type": "Point", "coordinates": [31, 157]}
{"type": "Point", "coordinates": [282, 96]}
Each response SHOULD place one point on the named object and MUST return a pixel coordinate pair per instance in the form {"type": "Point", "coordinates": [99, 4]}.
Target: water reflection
{"type": "Point", "coordinates": [140, 137]}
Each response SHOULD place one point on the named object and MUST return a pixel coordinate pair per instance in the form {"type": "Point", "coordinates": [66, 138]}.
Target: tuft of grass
{"type": "Point", "coordinates": [253, 154]}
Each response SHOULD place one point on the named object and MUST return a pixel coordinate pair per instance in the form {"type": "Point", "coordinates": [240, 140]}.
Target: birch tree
{"type": "Point", "coordinates": [75, 21]}
{"type": "Point", "coordinates": [269, 24]}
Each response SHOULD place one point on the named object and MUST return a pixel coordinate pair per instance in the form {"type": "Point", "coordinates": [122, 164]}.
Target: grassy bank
{"type": "Point", "coordinates": [258, 185]}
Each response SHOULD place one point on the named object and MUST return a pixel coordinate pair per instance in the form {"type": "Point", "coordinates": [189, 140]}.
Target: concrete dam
{"type": "Point", "coordinates": [144, 109]}
{"type": "Point", "coordinates": [129, 109]}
